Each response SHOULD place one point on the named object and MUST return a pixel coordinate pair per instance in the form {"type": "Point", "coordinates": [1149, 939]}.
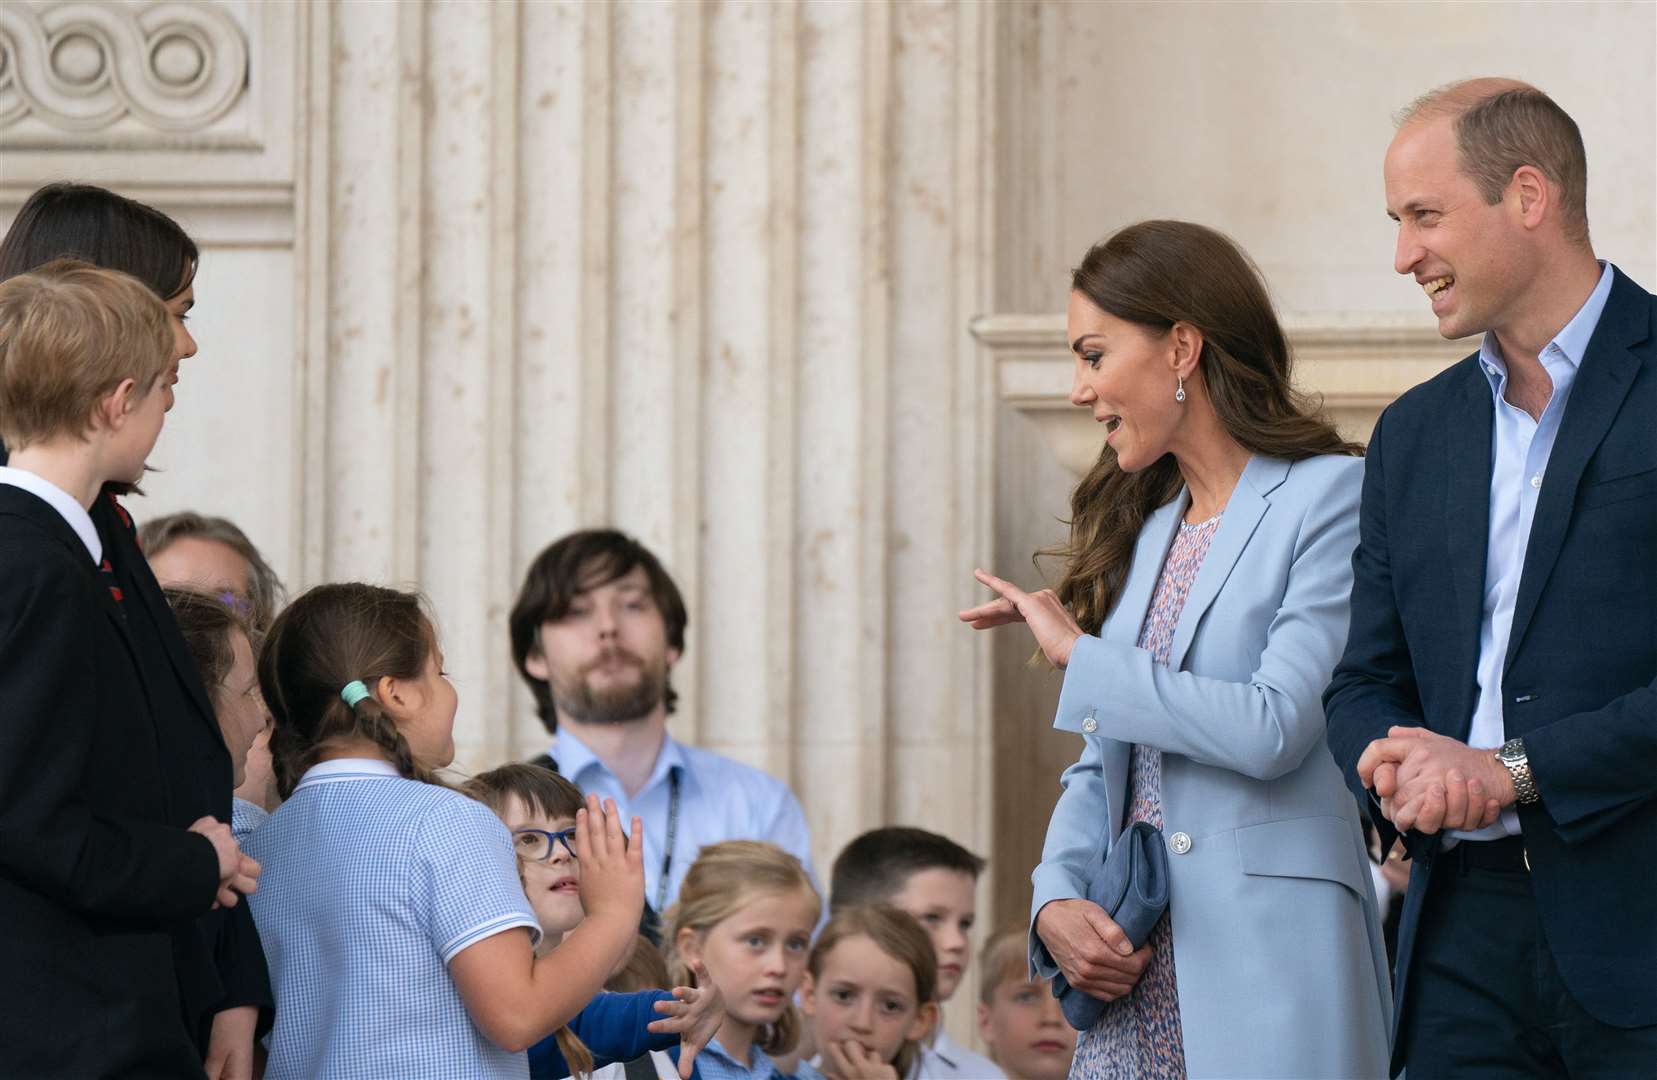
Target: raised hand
{"type": "Point", "coordinates": [612, 865]}
{"type": "Point", "coordinates": [1049, 620]}
{"type": "Point", "coordinates": [695, 1017]}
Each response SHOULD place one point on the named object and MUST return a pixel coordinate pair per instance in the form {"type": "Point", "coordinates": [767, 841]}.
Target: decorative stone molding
{"type": "Point", "coordinates": [69, 71]}
{"type": "Point", "coordinates": [1358, 363]}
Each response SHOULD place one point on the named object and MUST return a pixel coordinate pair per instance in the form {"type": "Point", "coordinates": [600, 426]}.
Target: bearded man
{"type": "Point", "coordinates": [596, 630]}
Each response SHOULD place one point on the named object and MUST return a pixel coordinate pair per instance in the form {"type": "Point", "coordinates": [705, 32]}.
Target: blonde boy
{"type": "Point", "coordinates": [1018, 1017]}
{"type": "Point", "coordinates": [91, 875]}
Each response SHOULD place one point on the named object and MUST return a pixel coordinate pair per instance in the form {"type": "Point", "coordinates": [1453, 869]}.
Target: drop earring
{"type": "Point", "coordinates": [1179, 393]}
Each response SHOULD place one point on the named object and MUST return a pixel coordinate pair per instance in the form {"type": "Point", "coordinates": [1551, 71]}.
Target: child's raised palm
{"type": "Point", "coordinates": [695, 1017]}
{"type": "Point", "coordinates": [612, 864]}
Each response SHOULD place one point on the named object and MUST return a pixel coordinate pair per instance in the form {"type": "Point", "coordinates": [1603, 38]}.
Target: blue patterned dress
{"type": "Point", "coordinates": [1139, 1037]}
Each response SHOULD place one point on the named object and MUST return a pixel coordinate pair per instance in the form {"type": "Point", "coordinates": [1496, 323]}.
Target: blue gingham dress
{"type": "Point", "coordinates": [371, 885]}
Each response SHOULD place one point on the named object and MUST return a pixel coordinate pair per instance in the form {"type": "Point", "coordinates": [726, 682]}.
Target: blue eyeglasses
{"type": "Point", "coordinates": [537, 845]}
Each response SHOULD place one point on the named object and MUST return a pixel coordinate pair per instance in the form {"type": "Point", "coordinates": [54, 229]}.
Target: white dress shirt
{"type": "Point", "coordinates": [947, 1059]}
{"type": "Point", "coordinates": [1519, 460]}
{"type": "Point", "coordinates": [60, 500]}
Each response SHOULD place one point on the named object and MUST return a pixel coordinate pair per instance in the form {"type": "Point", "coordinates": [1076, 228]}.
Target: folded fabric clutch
{"type": "Point", "coordinates": [1132, 886]}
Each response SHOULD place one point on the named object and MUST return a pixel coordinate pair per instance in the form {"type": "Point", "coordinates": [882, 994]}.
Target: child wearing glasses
{"type": "Point", "coordinates": [399, 938]}
{"type": "Point", "coordinates": [539, 807]}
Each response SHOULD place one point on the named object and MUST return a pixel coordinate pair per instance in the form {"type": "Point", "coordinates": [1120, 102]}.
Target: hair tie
{"type": "Point", "coordinates": [354, 692]}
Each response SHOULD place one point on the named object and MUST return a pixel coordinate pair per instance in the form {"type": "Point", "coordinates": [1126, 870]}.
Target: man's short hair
{"type": "Point", "coordinates": [576, 564]}
{"type": "Point", "coordinates": [1501, 125]}
{"type": "Point", "coordinates": [877, 865]}
{"type": "Point", "coordinates": [264, 588]}
{"type": "Point", "coordinates": [70, 333]}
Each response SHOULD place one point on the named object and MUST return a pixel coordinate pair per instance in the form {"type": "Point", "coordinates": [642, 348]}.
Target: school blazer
{"type": "Point", "coordinates": [1579, 682]}
{"type": "Point", "coordinates": [93, 878]}
{"type": "Point", "coordinates": [1279, 958]}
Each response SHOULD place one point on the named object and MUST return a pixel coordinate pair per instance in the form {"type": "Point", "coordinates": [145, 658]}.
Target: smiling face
{"type": "Point", "coordinates": [945, 903]}
{"type": "Point", "coordinates": [1471, 258]}
{"type": "Point", "coordinates": [1126, 377]}
{"type": "Point", "coordinates": [553, 885]}
{"type": "Point", "coordinates": [756, 957]}
{"type": "Point", "coordinates": [606, 661]}
{"type": "Point", "coordinates": [424, 710]}
{"type": "Point", "coordinates": [1026, 1032]}
{"type": "Point", "coordinates": [867, 996]}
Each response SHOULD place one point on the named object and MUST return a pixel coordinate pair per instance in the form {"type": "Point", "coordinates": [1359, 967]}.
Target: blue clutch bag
{"type": "Point", "coordinates": [1132, 887]}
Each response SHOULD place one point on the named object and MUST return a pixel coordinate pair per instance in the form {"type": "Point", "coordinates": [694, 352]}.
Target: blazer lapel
{"type": "Point", "coordinates": [1123, 626]}
{"type": "Point", "coordinates": [1469, 428]}
{"type": "Point", "coordinates": [1243, 512]}
{"type": "Point", "coordinates": [1602, 382]}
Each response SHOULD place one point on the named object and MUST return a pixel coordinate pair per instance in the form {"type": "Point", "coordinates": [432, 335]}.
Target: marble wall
{"type": "Point", "coordinates": [476, 274]}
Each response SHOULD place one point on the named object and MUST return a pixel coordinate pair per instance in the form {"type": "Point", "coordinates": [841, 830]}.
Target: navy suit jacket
{"type": "Point", "coordinates": [1579, 683]}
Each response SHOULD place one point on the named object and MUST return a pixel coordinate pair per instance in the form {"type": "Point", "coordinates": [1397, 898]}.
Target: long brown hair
{"type": "Point", "coordinates": [725, 878]}
{"type": "Point", "coordinates": [1156, 274]}
{"type": "Point", "coordinates": [899, 935]}
{"type": "Point", "coordinates": [331, 636]}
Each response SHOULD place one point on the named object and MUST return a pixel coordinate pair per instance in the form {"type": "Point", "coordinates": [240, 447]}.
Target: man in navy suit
{"type": "Point", "coordinates": [1497, 702]}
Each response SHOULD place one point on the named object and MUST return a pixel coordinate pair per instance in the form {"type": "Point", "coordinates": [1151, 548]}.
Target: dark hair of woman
{"type": "Point", "coordinates": [105, 229]}
{"type": "Point", "coordinates": [331, 636]}
{"type": "Point", "coordinates": [1156, 274]}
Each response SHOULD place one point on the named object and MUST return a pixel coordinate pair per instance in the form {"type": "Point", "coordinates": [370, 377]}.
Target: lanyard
{"type": "Point", "coordinates": [672, 833]}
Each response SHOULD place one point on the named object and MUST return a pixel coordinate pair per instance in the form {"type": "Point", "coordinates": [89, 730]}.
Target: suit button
{"type": "Point", "coordinates": [1180, 843]}
{"type": "Point", "coordinates": [1090, 725]}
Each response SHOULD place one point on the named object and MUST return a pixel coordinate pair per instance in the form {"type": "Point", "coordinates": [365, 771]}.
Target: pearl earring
{"type": "Point", "coordinates": [1179, 394]}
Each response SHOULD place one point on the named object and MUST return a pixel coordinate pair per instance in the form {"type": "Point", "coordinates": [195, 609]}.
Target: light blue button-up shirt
{"type": "Point", "coordinates": [1519, 461]}
{"type": "Point", "coordinates": [719, 799]}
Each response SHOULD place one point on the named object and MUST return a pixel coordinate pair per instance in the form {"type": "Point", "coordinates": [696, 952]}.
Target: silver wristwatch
{"type": "Point", "coordinates": [1512, 755]}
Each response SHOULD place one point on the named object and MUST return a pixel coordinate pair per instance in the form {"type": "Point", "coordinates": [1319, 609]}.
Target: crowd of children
{"type": "Point", "coordinates": [409, 926]}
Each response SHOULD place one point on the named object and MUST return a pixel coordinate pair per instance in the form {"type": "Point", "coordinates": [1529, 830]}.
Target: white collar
{"type": "Point", "coordinates": [336, 769]}
{"type": "Point", "coordinates": [60, 500]}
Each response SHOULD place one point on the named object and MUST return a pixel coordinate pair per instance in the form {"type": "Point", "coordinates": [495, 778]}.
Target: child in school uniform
{"type": "Point", "coordinates": [743, 922]}
{"type": "Point", "coordinates": [869, 995]}
{"type": "Point", "coordinates": [399, 937]}
{"type": "Point", "coordinates": [538, 807]}
{"type": "Point", "coordinates": [1018, 1017]}
{"type": "Point", "coordinates": [936, 880]}
{"type": "Point", "coordinates": [92, 876]}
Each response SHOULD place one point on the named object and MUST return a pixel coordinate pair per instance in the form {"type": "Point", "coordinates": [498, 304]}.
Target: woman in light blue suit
{"type": "Point", "coordinates": [1202, 609]}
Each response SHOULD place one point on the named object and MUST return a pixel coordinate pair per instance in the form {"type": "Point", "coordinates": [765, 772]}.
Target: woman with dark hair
{"type": "Point", "coordinates": [222, 979]}
{"type": "Point", "coordinates": [1202, 607]}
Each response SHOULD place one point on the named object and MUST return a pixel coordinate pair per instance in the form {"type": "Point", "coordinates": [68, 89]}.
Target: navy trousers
{"type": "Point", "coordinates": [1485, 999]}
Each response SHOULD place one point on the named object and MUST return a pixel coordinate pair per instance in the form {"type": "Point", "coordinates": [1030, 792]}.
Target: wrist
{"type": "Point", "coordinates": [1513, 776]}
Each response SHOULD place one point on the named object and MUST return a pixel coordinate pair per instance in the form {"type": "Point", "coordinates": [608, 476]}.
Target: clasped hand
{"type": "Point", "coordinates": [1049, 620]}
{"type": "Point", "coordinates": [1430, 782]}
{"type": "Point", "coordinates": [1091, 950]}
{"type": "Point", "coordinates": [238, 873]}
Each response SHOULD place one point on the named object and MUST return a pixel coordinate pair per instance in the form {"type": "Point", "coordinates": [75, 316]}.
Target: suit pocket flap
{"type": "Point", "coordinates": [1313, 847]}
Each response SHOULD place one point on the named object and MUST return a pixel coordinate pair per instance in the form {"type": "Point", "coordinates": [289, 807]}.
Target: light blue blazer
{"type": "Point", "coordinates": [1278, 952]}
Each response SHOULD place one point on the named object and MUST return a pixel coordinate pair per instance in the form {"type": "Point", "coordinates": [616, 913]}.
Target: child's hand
{"type": "Point", "coordinates": [237, 872]}
{"type": "Point", "coordinates": [612, 865]}
{"type": "Point", "coordinates": [848, 1060]}
{"type": "Point", "coordinates": [696, 1017]}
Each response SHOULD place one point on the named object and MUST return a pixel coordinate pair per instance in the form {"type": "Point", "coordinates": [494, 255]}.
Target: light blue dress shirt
{"type": "Point", "coordinates": [719, 799]}
{"type": "Point", "coordinates": [1519, 460]}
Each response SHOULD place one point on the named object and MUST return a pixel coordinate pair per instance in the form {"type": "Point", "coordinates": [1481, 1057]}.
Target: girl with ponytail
{"type": "Point", "coordinates": [399, 939]}
{"type": "Point", "coordinates": [743, 919]}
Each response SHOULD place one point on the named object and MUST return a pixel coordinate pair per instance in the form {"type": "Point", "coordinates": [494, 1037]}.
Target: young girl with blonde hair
{"type": "Point", "coordinates": [870, 994]}
{"type": "Point", "coordinates": [745, 912]}
{"type": "Point", "coordinates": [399, 938]}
